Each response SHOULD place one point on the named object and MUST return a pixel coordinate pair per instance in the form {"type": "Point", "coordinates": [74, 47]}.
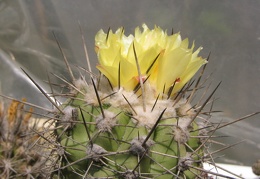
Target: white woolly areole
{"type": "Point", "coordinates": [136, 145]}
{"type": "Point", "coordinates": [106, 124]}
{"type": "Point", "coordinates": [150, 116]}
{"type": "Point", "coordinates": [185, 109]}
{"type": "Point", "coordinates": [184, 122]}
{"type": "Point", "coordinates": [91, 97]}
{"type": "Point", "coordinates": [185, 162]}
{"type": "Point", "coordinates": [69, 113]}
{"type": "Point", "coordinates": [80, 84]}
{"type": "Point", "coordinates": [180, 135]}
{"type": "Point", "coordinates": [95, 152]}
{"type": "Point", "coordinates": [118, 100]}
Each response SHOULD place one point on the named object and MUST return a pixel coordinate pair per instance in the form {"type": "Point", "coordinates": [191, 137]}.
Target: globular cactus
{"type": "Point", "coordinates": [256, 168]}
{"type": "Point", "coordinates": [134, 121]}
{"type": "Point", "coordinates": [19, 157]}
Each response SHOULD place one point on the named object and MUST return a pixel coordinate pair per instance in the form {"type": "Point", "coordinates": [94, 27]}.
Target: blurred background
{"type": "Point", "coordinates": [230, 30]}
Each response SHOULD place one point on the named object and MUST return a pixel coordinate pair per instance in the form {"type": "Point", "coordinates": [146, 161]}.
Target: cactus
{"type": "Point", "coordinates": [256, 168]}
{"type": "Point", "coordinates": [134, 120]}
{"type": "Point", "coordinates": [18, 157]}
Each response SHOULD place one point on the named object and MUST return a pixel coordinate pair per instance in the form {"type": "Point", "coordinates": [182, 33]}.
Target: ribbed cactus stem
{"type": "Point", "coordinates": [152, 143]}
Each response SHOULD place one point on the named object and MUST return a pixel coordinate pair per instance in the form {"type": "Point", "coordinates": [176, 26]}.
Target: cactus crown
{"type": "Point", "coordinates": [150, 64]}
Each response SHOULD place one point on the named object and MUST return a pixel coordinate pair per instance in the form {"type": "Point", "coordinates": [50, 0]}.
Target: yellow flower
{"type": "Point", "coordinates": [164, 60]}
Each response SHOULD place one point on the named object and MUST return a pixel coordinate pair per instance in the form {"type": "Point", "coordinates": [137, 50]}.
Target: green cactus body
{"type": "Point", "coordinates": [119, 144]}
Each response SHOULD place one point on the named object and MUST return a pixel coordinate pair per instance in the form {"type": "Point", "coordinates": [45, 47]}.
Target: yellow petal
{"type": "Point", "coordinates": [164, 58]}
{"type": "Point", "coordinates": [171, 67]}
